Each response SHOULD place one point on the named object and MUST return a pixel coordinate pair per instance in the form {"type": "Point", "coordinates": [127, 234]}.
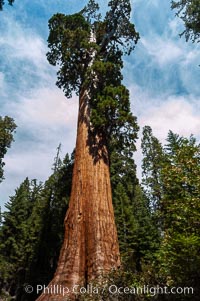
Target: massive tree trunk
{"type": "Point", "coordinates": [90, 246]}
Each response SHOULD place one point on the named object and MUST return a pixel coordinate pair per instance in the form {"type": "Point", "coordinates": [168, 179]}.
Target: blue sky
{"type": "Point", "coordinates": [162, 74]}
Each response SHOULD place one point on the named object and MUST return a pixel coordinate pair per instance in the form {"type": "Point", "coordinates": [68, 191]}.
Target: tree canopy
{"type": "Point", "coordinates": [32, 230]}
{"type": "Point", "coordinates": [7, 127]}
{"type": "Point", "coordinates": [88, 50]}
{"type": "Point", "coordinates": [72, 48]}
{"type": "Point", "coordinates": [174, 172]}
{"type": "Point", "coordinates": [2, 2]}
{"type": "Point", "coordinates": [189, 12]}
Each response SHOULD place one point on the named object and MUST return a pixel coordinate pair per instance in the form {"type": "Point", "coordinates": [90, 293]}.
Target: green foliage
{"type": "Point", "coordinates": [178, 213]}
{"type": "Point", "coordinates": [181, 210]}
{"type": "Point", "coordinates": [138, 236]}
{"type": "Point", "coordinates": [110, 115]}
{"type": "Point", "coordinates": [119, 30]}
{"type": "Point", "coordinates": [7, 127]}
{"type": "Point", "coordinates": [124, 181]}
{"type": "Point", "coordinates": [106, 291]}
{"type": "Point", "coordinates": [189, 12]}
{"type": "Point", "coordinates": [72, 49]}
{"type": "Point", "coordinates": [89, 52]}
{"type": "Point", "coordinates": [32, 231]}
{"type": "Point", "coordinates": [69, 48]}
{"type": "Point", "coordinates": [17, 237]}
{"type": "Point", "coordinates": [49, 211]}
{"type": "Point", "coordinates": [136, 229]}
{"type": "Point", "coordinates": [2, 2]}
{"type": "Point", "coordinates": [153, 158]}
{"type": "Point", "coordinates": [91, 12]}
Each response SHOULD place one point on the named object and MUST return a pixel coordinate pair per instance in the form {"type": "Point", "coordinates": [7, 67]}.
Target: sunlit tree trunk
{"type": "Point", "coordinates": [90, 248]}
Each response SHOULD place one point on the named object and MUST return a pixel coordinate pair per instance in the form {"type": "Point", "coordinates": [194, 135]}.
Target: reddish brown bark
{"type": "Point", "coordinates": [90, 246]}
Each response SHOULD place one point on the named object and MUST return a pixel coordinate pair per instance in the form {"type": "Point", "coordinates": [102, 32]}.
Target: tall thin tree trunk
{"type": "Point", "coordinates": [90, 246]}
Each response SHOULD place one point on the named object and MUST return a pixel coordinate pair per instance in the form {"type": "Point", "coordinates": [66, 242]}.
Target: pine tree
{"type": "Point", "coordinates": [179, 251]}
{"type": "Point", "coordinates": [152, 164]}
{"type": "Point", "coordinates": [49, 212]}
{"type": "Point", "coordinates": [32, 231]}
{"type": "Point", "coordinates": [176, 261]}
{"type": "Point", "coordinates": [151, 167]}
{"type": "Point", "coordinates": [7, 127]}
{"type": "Point", "coordinates": [136, 229]}
{"type": "Point", "coordinates": [16, 236]}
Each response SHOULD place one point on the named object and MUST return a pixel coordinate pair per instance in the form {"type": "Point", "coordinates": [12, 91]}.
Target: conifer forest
{"type": "Point", "coordinates": [103, 225]}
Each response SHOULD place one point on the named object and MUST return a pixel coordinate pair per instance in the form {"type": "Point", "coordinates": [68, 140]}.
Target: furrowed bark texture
{"type": "Point", "coordinates": [90, 246]}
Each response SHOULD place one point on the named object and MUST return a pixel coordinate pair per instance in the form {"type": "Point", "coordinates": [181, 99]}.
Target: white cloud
{"type": "Point", "coordinates": [180, 114]}
{"type": "Point", "coordinates": [163, 51]}
{"type": "Point", "coordinates": [33, 157]}
{"type": "Point", "coordinates": [26, 160]}
{"type": "Point", "coordinates": [22, 42]}
{"type": "Point", "coordinates": [1, 80]}
{"type": "Point", "coordinates": [175, 27]}
{"type": "Point", "coordinates": [23, 54]}
{"type": "Point", "coordinates": [191, 56]}
{"type": "Point", "coordinates": [44, 117]}
{"type": "Point", "coordinates": [177, 114]}
{"type": "Point", "coordinates": [47, 107]}
{"type": "Point", "coordinates": [44, 120]}
{"type": "Point", "coordinates": [147, 2]}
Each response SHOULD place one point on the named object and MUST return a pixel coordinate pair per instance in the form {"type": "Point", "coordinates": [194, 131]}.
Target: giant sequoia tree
{"type": "Point", "coordinates": [89, 51]}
